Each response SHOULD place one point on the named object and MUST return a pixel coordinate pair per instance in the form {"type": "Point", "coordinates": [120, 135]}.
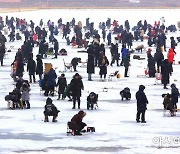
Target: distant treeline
{"type": "Point", "coordinates": [90, 3]}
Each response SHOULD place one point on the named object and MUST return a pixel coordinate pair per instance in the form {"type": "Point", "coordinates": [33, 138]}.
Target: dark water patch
{"type": "Point", "coordinates": [85, 149]}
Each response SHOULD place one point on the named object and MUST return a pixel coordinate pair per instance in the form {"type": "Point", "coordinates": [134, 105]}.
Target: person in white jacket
{"type": "Point", "coordinates": [25, 89]}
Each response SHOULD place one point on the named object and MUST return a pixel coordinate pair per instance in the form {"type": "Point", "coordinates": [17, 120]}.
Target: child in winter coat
{"type": "Point", "coordinates": [25, 89]}
{"type": "Point", "coordinates": [62, 84]}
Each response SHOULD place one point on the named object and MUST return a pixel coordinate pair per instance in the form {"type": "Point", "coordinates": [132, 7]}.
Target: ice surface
{"type": "Point", "coordinates": [23, 131]}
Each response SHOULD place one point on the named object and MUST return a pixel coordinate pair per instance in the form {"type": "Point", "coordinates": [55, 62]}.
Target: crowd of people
{"type": "Point", "coordinates": [120, 49]}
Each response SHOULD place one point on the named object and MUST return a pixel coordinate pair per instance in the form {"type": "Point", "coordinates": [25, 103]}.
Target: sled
{"type": "Point", "coordinates": [139, 48]}
{"type": "Point", "coordinates": [158, 77]}
{"type": "Point", "coordinates": [105, 89]}
{"type": "Point", "coordinates": [82, 64]}
{"type": "Point", "coordinates": [146, 73]}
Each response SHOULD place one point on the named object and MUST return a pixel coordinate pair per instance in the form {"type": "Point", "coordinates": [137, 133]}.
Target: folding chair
{"type": "Point", "coordinates": [113, 75]}
{"type": "Point", "coordinates": [67, 66]}
{"type": "Point", "coordinates": [69, 129]}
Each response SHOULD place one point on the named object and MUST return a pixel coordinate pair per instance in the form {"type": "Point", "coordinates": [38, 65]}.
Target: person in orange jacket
{"type": "Point", "coordinates": [170, 57]}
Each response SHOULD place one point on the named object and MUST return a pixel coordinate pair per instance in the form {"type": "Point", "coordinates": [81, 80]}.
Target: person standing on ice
{"type": "Point", "coordinates": [56, 47]}
{"type": "Point", "coordinates": [126, 61]}
{"type": "Point", "coordinates": [90, 66]}
{"type": "Point", "coordinates": [76, 87]}
{"type": "Point", "coordinates": [61, 84]}
{"type": "Point", "coordinates": [170, 57]}
{"type": "Point", "coordinates": [25, 89]}
{"type": "Point", "coordinates": [103, 63]}
{"type": "Point", "coordinates": [174, 95]}
{"type": "Point", "coordinates": [39, 68]}
{"type": "Point", "coordinates": [165, 73]}
{"type": "Point", "coordinates": [142, 101]}
{"type": "Point", "coordinates": [31, 68]}
{"type": "Point", "coordinates": [151, 63]}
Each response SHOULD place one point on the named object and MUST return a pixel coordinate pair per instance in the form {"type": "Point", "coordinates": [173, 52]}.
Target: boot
{"type": "Point", "coordinates": [137, 120]}
{"type": "Point", "coordinates": [54, 119]}
{"type": "Point", "coordinates": [78, 103]}
{"type": "Point", "coordinates": [74, 103]}
{"type": "Point", "coordinates": [46, 119]}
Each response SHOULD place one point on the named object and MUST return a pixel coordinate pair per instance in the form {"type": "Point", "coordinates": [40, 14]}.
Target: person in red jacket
{"type": "Point", "coordinates": [76, 122]}
{"type": "Point", "coordinates": [170, 57]}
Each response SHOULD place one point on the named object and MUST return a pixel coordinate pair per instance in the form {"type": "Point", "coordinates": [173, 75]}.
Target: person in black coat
{"type": "Point", "coordinates": [126, 61]}
{"type": "Point", "coordinates": [50, 110]}
{"type": "Point", "coordinates": [75, 62]}
{"type": "Point", "coordinates": [142, 101]}
{"type": "Point", "coordinates": [31, 68]}
{"type": "Point", "coordinates": [115, 54]}
{"type": "Point", "coordinates": [165, 72]}
{"type": "Point", "coordinates": [56, 47]}
{"type": "Point", "coordinates": [62, 84]}
{"type": "Point", "coordinates": [2, 52]}
{"type": "Point", "coordinates": [90, 66]}
{"type": "Point", "coordinates": [39, 67]}
{"type": "Point", "coordinates": [76, 87]}
{"type": "Point", "coordinates": [129, 40]}
{"type": "Point", "coordinates": [43, 47]}
{"type": "Point", "coordinates": [174, 95]}
{"type": "Point", "coordinates": [125, 93]}
{"type": "Point", "coordinates": [159, 57]}
{"type": "Point", "coordinates": [173, 43]}
{"type": "Point", "coordinates": [151, 65]}
{"type": "Point", "coordinates": [163, 38]}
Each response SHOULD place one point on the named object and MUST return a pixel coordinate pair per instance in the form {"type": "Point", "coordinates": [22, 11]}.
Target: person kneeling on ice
{"type": "Point", "coordinates": [76, 122]}
{"type": "Point", "coordinates": [50, 110]}
{"type": "Point", "coordinates": [168, 103]}
{"type": "Point", "coordinates": [125, 93]}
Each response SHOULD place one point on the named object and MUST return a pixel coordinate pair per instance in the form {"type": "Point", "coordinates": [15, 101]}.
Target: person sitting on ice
{"type": "Point", "coordinates": [50, 110]}
{"type": "Point", "coordinates": [168, 103]}
{"type": "Point", "coordinates": [76, 123]}
{"type": "Point", "coordinates": [91, 100]}
{"type": "Point", "coordinates": [125, 93]}
{"type": "Point", "coordinates": [13, 99]}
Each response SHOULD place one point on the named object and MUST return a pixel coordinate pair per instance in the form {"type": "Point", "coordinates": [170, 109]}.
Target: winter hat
{"type": "Point", "coordinates": [77, 74]}
{"type": "Point", "coordinates": [173, 85]}
{"type": "Point", "coordinates": [142, 87]}
{"type": "Point", "coordinates": [63, 75]}
{"type": "Point", "coordinates": [149, 51]}
{"type": "Point", "coordinates": [82, 113]}
{"type": "Point", "coordinates": [49, 101]}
